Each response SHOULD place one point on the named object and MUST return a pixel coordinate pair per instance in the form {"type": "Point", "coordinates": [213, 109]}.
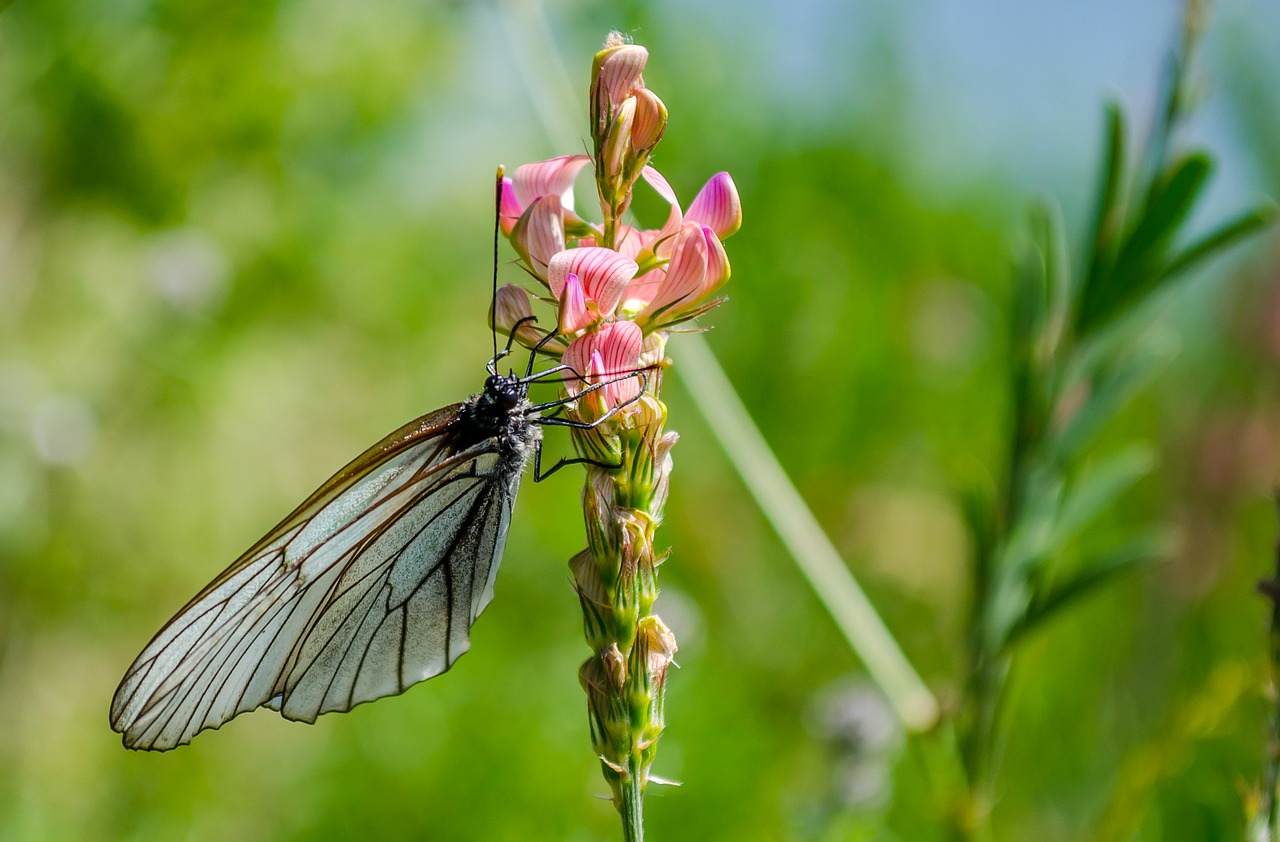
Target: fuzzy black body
{"type": "Point", "coordinates": [499, 415]}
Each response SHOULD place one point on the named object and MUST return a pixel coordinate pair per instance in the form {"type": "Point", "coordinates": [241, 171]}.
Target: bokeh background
{"type": "Point", "coordinates": [240, 241]}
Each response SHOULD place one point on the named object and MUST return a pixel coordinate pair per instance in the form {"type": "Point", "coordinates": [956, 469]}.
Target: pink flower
{"type": "Point", "coordinates": [607, 354]}
{"type": "Point", "coordinates": [687, 271]}
{"type": "Point", "coordinates": [698, 267]}
{"type": "Point", "coordinates": [604, 274]}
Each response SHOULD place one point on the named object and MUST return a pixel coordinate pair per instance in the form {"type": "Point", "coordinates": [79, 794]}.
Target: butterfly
{"type": "Point", "coordinates": [370, 586]}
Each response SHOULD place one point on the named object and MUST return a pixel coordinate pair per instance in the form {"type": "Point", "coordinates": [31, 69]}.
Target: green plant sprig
{"type": "Point", "coordinates": [1070, 374]}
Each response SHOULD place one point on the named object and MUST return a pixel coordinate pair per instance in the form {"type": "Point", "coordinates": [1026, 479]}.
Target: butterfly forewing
{"type": "Point", "coordinates": [370, 586]}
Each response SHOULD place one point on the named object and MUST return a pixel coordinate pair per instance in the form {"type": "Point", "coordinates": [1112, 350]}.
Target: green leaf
{"type": "Point", "coordinates": [1138, 268]}
{"type": "Point", "coordinates": [1053, 515]}
{"type": "Point", "coordinates": [1111, 392]}
{"type": "Point", "coordinates": [1131, 556]}
{"type": "Point", "coordinates": [1107, 212]}
{"type": "Point", "coordinates": [1097, 489]}
{"type": "Point", "coordinates": [1224, 237]}
{"type": "Point", "coordinates": [1170, 200]}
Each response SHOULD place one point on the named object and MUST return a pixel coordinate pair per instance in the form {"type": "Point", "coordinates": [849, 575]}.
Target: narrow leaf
{"type": "Point", "coordinates": [1090, 494]}
{"type": "Point", "coordinates": [1127, 558]}
{"type": "Point", "coordinates": [1224, 237]}
{"type": "Point", "coordinates": [1111, 392]}
{"type": "Point", "coordinates": [1169, 202]}
{"type": "Point", "coordinates": [1107, 212]}
{"type": "Point", "coordinates": [1136, 272]}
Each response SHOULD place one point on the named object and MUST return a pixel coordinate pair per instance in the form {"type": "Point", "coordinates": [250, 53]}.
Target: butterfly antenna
{"type": "Point", "coordinates": [497, 230]}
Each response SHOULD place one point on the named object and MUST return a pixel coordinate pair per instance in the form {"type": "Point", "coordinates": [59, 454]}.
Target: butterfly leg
{"type": "Point", "coordinates": [551, 420]}
{"type": "Point", "coordinates": [539, 475]}
{"type": "Point", "coordinates": [644, 383]}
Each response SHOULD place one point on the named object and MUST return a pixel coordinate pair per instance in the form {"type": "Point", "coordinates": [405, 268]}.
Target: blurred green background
{"type": "Point", "coordinates": [240, 241]}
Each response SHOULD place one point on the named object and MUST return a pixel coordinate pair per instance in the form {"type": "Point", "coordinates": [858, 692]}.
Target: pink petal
{"type": "Point", "coordinates": [574, 315]}
{"type": "Point", "coordinates": [717, 263]}
{"type": "Point", "coordinates": [642, 290]}
{"type": "Point", "coordinates": [539, 233]}
{"type": "Point", "coordinates": [630, 241]}
{"type": "Point", "coordinates": [604, 274]}
{"type": "Point", "coordinates": [660, 184]}
{"type": "Point", "coordinates": [577, 356]}
{"type": "Point", "coordinates": [717, 205]}
{"type": "Point", "coordinates": [664, 238]}
{"type": "Point", "coordinates": [509, 207]}
{"type": "Point", "coordinates": [619, 347]}
{"type": "Point", "coordinates": [595, 368]}
{"type": "Point", "coordinates": [620, 70]}
{"type": "Point", "coordinates": [687, 272]}
{"type": "Point", "coordinates": [552, 177]}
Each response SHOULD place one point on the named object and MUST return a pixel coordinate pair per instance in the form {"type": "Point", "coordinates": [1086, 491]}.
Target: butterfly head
{"type": "Point", "coordinates": [503, 395]}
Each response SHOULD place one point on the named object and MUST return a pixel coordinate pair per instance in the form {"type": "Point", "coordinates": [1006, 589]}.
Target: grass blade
{"type": "Point", "coordinates": [801, 533]}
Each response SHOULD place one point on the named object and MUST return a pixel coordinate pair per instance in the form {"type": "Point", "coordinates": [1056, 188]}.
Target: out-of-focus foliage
{"type": "Point", "coordinates": [241, 241]}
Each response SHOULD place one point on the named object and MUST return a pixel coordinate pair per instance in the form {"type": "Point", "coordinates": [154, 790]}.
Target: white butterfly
{"type": "Point", "coordinates": [368, 588]}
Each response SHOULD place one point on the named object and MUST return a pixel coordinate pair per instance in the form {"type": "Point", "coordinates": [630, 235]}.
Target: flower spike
{"type": "Point", "coordinates": [618, 290]}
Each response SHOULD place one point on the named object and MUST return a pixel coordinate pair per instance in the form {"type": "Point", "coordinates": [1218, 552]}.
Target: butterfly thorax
{"type": "Point", "coordinates": [498, 413]}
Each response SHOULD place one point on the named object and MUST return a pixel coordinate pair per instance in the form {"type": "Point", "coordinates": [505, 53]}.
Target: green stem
{"type": "Point", "coordinates": [1272, 590]}
{"type": "Point", "coordinates": [632, 807]}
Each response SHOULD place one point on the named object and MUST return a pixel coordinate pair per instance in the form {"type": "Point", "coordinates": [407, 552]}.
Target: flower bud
{"type": "Point", "coordinates": [617, 139]}
{"type": "Point", "coordinates": [594, 599]}
{"type": "Point", "coordinates": [662, 471]}
{"type": "Point", "coordinates": [616, 72]}
{"type": "Point", "coordinates": [511, 304]}
{"type": "Point", "coordinates": [659, 643]}
{"type": "Point", "coordinates": [615, 665]}
{"type": "Point", "coordinates": [650, 121]}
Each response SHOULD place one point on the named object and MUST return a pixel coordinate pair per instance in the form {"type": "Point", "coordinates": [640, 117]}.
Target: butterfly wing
{"type": "Point", "coordinates": [369, 587]}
